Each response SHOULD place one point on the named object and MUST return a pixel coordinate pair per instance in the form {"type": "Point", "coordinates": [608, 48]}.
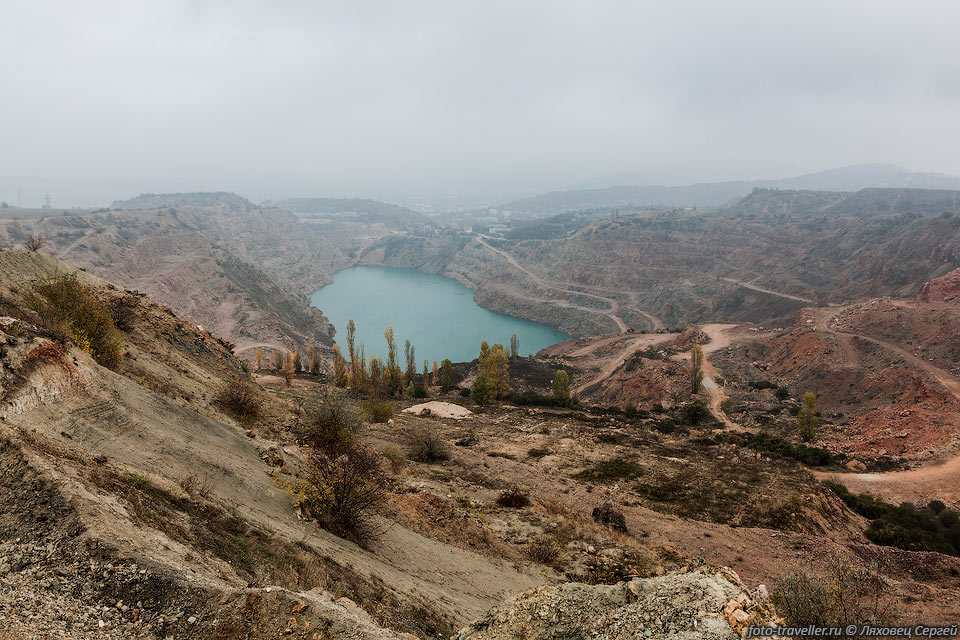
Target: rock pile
{"type": "Point", "coordinates": [682, 606]}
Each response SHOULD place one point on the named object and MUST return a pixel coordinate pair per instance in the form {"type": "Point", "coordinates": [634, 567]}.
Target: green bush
{"type": "Point", "coordinates": [907, 526]}
{"type": "Point", "coordinates": [380, 411]}
{"type": "Point", "coordinates": [769, 443]}
{"type": "Point", "coordinates": [69, 309]}
{"type": "Point", "coordinates": [532, 398]}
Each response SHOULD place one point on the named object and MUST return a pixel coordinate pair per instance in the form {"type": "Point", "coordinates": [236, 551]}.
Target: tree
{"type": "Point", "coordinates": [561, 388]}
{"type": "Point", "coordinates": [297, 365]}
{"type": "Point", "coordinates": [446, 368]}
{"type": "Point", "coordinates": [409, 352]}
{"type": "Point", "coordinates": [493, 374]}
{"type": "Point", "coordinates": [426, 378]}
{"type": "Point", "coordinates": [376, 382]}
{"type": "Point", "coordinates": [313, 359]}
{"type": "Point", "coordinates": [339, 367]}
{"type": "Point", "coordinates": [480, 391]}
{"type": "Point", "coordinates": [351, 343]}
{"type": "Point", "coordinates": [360, 381]}
{"type": "Point", "coordinates": [34, 243]}
{"type": "Point", "coordinates": [288, 369]}
{"type": "Point", "coordinates": [393, 368]}
{"type": "Point", "coordinates": [807, 420]}
{"type": "Point", "coordinates": [696, 368]}
{"type": "Point", "coordinates": [499, 364]}
{"type": "Point", "coordinates": [436, 371]}
{"type": "Point", "coordinates": [278, 360]}
{"type": "Point", "coordinates": [258, 356]}
{"type": "Point", "coordinates": [514, 346]}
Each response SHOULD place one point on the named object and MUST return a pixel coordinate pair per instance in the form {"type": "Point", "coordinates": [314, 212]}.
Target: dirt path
{"type": "Point", "coordinates": [749, 285]}
{"type": "Point", "coordinates": [617, 360]}
{"type": "Point", "coordinates": [719, 338]}
{"type": "Point", "coordinates": [824, 322]}
{"type": "Point", "coordinates": [940, 480]}
{"type": "Point", "coordinates": [614, 305]}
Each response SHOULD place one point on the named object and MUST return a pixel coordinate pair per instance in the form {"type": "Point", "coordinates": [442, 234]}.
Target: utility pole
{"type": "Point", "coordinates": [19, 200]}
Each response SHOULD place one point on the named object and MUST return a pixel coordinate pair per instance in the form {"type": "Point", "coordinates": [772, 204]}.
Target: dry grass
{"type": "Point", "coordinates": [198, 486]}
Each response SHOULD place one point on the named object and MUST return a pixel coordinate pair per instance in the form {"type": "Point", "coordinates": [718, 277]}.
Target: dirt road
{"type": "Point", "coordinates": [750, 285]}
{"type": "Point", "coordinates": [614, 306]}
{"type": "Point", "coordinates": [720, 338]}
{"type": "Point", "coordinates": [916, 485]}
{"type": "Point", "coordinates": [616, 361]}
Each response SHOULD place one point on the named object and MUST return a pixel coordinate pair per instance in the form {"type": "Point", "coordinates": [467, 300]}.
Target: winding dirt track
{"type": "Point", "coordinates": [617, 360]}
{"type": "Point", "coordinates": [938, 480]}
{"type": "Point", "coordinates": [614, 305]}
{"type": "Point", "coordinates": [720, 338]}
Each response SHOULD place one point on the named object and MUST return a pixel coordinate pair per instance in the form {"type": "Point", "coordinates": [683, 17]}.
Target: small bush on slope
{"type": "Point", "coordinates": [69, 309]}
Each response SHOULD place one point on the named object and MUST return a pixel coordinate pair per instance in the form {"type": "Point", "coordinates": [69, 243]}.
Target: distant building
{"type": "Point", "coordinates": [499, 229]}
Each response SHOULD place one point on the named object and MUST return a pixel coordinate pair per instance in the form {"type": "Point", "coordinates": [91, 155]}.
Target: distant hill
{"type": "Point", "coordinates": [356, 209]}
{"type": "Point", "coordinates": [865, 202]}
{"type": "Point", "coordinates": [195, 199]}
{"type": "Point", "coordinates": [716, 194]}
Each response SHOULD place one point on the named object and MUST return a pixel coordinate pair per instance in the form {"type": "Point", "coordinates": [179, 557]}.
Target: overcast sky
{"type": "Point", "coordinates": [392, 99]}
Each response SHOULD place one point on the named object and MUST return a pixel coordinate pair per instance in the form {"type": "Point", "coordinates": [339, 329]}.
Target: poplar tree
{"type": "Point", "coordinates": [807, 418]}
{"type": "Point", "coordinates": [514, 346]}
{"type": "Point", "coordinates": [393, 368]}
{"type": "Point", "coordinates": [409, 352]}
{"type": "Point", "coordinates": [351, 339]}
{"type": "Point", "coordinates": [339, 367]}
{"type": "Point", "coordinates": [288, 370]}
{"type": "Point", "coordinates": [696, 368]}
{"type": "Point", "coordinates": [561, 388]}
{"type": "Point", "coordinates": [446, 370]}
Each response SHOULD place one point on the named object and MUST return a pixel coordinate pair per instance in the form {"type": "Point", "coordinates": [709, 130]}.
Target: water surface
{"type": "Point", "coordinates": [437, 314]}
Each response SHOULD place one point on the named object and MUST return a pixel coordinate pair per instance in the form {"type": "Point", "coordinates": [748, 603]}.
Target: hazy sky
{"type": "Point", "coordinates": [102, 100]}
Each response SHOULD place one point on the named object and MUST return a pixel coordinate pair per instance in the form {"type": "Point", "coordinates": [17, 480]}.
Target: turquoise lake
{"type": "Point", "coordinates": [437, 314]}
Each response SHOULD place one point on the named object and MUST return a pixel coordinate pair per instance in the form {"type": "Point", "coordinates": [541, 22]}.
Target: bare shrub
{"type": "Point", "coordinates": [553, 506]}
{"type": "Point", "coordinates": [123, 312]}
{"type": "Point", "coordinates": [332, 428]}
{"type": "Point", "coordinates": [544, 550]}
{"type": "Point", "coordinates": [396, 459]}
{"type": "Point", "coordinates": [514, 496]}
{"type": "Point", "coordinates": [846, 595]}
{"type": "Point", "coordinates": [197, 485]}
{"type": "Point", "coordinates": [34, 243]}
{"type": "Point", "coordinates": [241, 399]}
{"type": "Point", "coordinates": [343, 491]}
{"type": "Point", "coordinates": [426, 445]}
{"type": "Point", "coordinates": [610, 516]}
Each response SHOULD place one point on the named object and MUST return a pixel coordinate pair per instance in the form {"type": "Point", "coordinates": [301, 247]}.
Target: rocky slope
{"type": "Point", "coordinates": [684, 606]}
{"type": "Point", "coordinates": [238, 270]}
{"type": "Point", "coordinates": [764, 257]}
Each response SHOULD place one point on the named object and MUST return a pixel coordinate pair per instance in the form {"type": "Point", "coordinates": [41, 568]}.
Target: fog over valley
{"type": "Point", "coordinates": [477, 103]}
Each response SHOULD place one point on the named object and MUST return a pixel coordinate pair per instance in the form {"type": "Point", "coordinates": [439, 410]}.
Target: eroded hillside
{"type": "Point", "coordinates": [138, 504]}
